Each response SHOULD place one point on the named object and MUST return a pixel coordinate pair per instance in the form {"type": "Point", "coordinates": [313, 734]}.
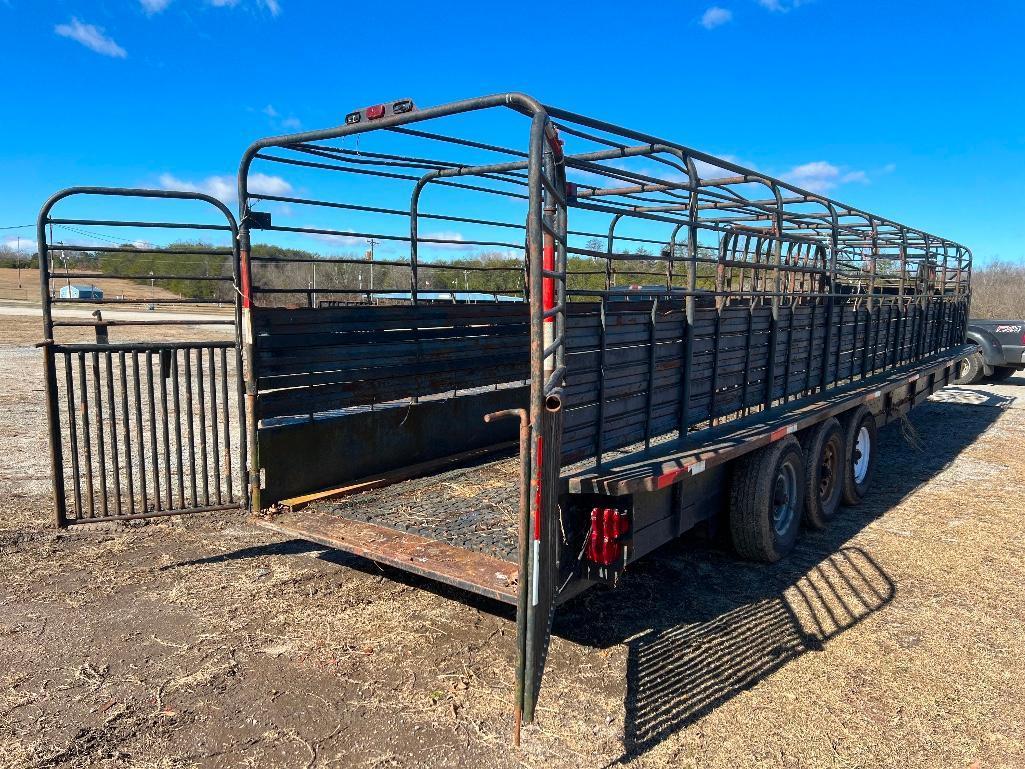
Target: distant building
{"type": "Point", "coordinates": [80, 292]}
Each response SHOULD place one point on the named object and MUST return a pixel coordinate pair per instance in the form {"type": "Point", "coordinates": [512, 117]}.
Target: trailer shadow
{"type": "Point", "coordinates": [701, 627]}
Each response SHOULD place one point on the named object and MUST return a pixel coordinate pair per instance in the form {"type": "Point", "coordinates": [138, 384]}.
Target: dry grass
{"type": "Point", "coordinates": [892, 640]}
{"type": "Point", "coordinates": [28, 290]}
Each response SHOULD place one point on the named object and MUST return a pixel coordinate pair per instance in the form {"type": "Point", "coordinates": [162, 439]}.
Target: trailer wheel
{"type": "Point", "coordinates": [824, 464]}
{"type": "Point", "coordinates": [767, 501]}
{"type": "Point", "coordinates": [860, 454]}
{"type": "Point", "coordinates": [970, 369]}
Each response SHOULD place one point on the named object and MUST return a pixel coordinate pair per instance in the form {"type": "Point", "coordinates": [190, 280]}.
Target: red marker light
{"type": "Point", "coordinates": [607, 527]}
{"type": "Point", "coordinates": [375, 112]}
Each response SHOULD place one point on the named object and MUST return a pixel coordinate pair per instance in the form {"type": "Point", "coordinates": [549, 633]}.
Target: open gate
{"type": "Point", "coordinates": [142, 358]}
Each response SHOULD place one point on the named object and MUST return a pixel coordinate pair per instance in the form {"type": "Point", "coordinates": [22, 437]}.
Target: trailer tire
{"type": "Point", "coordinates": [970, 369]}
{"type": "Point", "coordinates": [860, 454]}
{"type": "Point", "coordinates": [824, 464]}
{"type": "Point", "coordinates": [767, 501]}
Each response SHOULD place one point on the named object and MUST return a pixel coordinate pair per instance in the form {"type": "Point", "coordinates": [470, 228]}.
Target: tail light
{"type": "Point", "coordinates": [378, 111]}
{"type": "Point", "coordinates": [604, 545]}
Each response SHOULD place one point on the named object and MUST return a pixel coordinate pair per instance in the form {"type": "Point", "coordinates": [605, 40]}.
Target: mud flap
{"type": "Point", "coordinates": [537, 591]}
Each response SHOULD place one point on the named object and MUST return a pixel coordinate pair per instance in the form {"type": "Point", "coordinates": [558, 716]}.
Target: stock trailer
{"type": "Point", "coordinates": [646, 339]}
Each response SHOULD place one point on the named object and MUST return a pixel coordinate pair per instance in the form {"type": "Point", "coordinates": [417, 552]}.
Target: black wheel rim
{"type": "Point", "coordinates": [784, 498]}
{"type": "Point", "coordinates": [827, 471]}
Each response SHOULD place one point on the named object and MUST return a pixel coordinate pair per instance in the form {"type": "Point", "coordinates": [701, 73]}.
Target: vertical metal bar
{"type": "Point", "coordinates": [201, 400]}
{"type": "Point", "coordinates": [650, 404]}
{"type": "Point", "coordinates": [50, 373]}
{"type": "Point", "coordinates": [140, 439]}
{"type": "Point", "coordinates": [599, 434]}
{"type": "Point", "coordinates": [114, 453]}
{"type": "Point", "coordinates": [73, 435]}
{"type": "Point", "coordinates": [886, 340]}
{"type": "Point", "coordinates": [777, 253]}
{"type": "Point", "coordinates": [811, 347]}
{"type": "Point", "coordinates": [829, 285]}
{"type": "Point", "coordinates": [839, 345]}
{"type": "Point", "coordinates": [747, 351]}
{"type": "Point", "coordinates": [215, 444]}
{"type": "Point", "coordinates": [535, 248]}
{"type": "Point", "coordinates": [790, 349]}
{"type": "Point", "coordinates": [246, 378]}
{"type": "Point", "coordinates": [865, 344]}
{"type": "Point", "coordinates": [100, 449]}
{"type": "Point", "coordinates": [189, 427]}
{"type": "Point", "coordinates": [86, 436]}
{"type": "Point", "coordinates": [175, 393]}
{"type": "Point", "coordinates": [154, 431]}
{"type": "Point", "coordinates": [229, 477]}
{"type": "Point", "coordinates": [854, 343]}
{"type": "Point", "coordinates": [686, 369]}
{"type": "Point", "coordinates": [714, 384]}
{"type": "Point", "coordinates": [127, 429]}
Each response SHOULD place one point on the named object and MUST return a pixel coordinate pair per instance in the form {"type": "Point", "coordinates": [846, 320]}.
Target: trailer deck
{"type": "Point", "coordinates": [459, 527]}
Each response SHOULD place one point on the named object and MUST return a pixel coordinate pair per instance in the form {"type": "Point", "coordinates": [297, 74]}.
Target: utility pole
{"type": "Point", "coordinates": [371, 242]}
{"type": "Point", "coordinates": [19, 261]}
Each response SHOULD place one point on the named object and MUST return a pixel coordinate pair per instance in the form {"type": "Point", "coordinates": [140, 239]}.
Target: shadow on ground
{"type": "Point", "coordinates": [701, 626]}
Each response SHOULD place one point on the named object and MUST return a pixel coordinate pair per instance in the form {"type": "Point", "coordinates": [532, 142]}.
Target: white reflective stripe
{"type": "Point", "coordinates": [247, 328]}
{"type": "Point", "coordinates": [697, 467]}
{"type": "Point", "coordinates": [537, 570]}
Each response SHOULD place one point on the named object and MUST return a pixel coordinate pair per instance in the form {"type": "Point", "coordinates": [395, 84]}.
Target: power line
{"type": "Point", "coordinates": [17, 227]}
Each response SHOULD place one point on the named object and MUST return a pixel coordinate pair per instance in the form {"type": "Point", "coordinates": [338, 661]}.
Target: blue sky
{"type": "Point", "coordinates": [913, 110]}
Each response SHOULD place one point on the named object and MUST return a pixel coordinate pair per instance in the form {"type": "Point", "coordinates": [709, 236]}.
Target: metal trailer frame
{"type": "Point", "coordinates": [780, 252]}
{"type": "Point", "coordinates": [809, 278]}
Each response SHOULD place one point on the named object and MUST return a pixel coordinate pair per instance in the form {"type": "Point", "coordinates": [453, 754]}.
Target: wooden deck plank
{"type": "Point", "coordinates": [462, 568]}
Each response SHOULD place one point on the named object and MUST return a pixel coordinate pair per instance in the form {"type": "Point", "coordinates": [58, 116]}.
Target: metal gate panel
{"type": "Point", "coordinates": [141, 429]}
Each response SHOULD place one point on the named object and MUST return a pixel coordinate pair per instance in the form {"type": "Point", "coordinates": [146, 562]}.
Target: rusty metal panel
{"type": "Point", "coordinates": [309, 455]}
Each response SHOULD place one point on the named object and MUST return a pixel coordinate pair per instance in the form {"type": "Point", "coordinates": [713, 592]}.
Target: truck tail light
{"type": "Point", "coordinates": [608, 525]}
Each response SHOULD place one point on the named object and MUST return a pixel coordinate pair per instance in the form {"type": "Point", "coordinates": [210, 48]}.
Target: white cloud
{"type": "Point", "coordinates": [154, 6]}
{"type": "Point", "coordinates": [25, 245]}
{"type": "Point", "coordinates": [224, 187]}
{"type": "Point", "coordinates": [781, 6]}
{"type": "Point", "coordinates": [337, 240]}
{"type": "Point", "coordinates": [711, 171]}
{"type": "Point", "coordinates": [448, 235]}
{"type": "Point", "coordinates": [273, 7]}
{"type": "Point", "coordinates": [265, 184]}
{"type": "Point", "coordinates": [291, 123]}
{"type": "Point", "coordinates": [92, 37]}
{"type": "Point", "coordinates": [820, 176]}
{"type": "Point", "coordinates": [269, 111]}
{"type": "Point", "coordinates": [716, 17]}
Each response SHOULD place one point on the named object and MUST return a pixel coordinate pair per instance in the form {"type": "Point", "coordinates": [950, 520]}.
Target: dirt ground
{"type": "Point", "coordinates": [893, 639]}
